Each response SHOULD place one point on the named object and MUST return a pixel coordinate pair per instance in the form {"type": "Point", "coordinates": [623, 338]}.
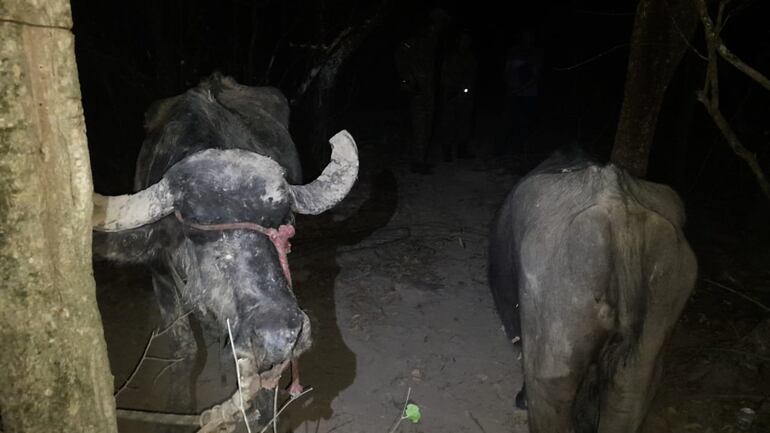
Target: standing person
{"type": "Point", "coordinates": [457, 97]}
{"type": "Point", "coordinates": [416, 64]}
{"type": "Point", "coordinates": [522, 73]}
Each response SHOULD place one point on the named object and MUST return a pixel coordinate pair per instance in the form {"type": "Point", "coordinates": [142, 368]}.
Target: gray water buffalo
{"type": "Point", "coordinates": [217, 184]}
{"type": "Point", "coordinates": [589, 268]}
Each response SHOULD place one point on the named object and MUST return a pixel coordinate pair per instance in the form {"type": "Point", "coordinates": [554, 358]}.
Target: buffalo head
{"type": "Point", "coordinates": [224, 216]}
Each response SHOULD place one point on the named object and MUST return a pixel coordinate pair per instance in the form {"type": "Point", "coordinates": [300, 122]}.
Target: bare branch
{"type": "Point", "coordinates": [165, 369]}
{"type": "Point", "coordinates": [291, 400]}
{"type": "Point", "coordinates": [684, 37]}
{"type": "Point", "coordinates": [721, 14]}
{"type": "Point", "coordinates": [589, 60]}
{"type": "Point", "coordinates": [341, 47]}
{"type": "Point", "coordinates": [158, 333]}
{"type": "Point", "coordinates": [737, 10]}
{"type": "Point", "coordinates": [743, 67]}
{"type": "Point", "coordinates": [711, 86]}
{"type": "Point", "coordinates": [709, 96]}
{"type": "Point", "coordinates": [278, 44]}
{"type": "Point", "coordinates": [138, 364]}
{"type": "Point", "coordinates": [735, 143]}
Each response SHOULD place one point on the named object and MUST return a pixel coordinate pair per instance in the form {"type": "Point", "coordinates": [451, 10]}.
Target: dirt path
{"type": "Point", "coordinates": [412, 309]}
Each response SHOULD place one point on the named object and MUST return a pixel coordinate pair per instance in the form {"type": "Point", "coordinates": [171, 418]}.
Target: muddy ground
{"type": "Point", "coordinates": [395, 283]}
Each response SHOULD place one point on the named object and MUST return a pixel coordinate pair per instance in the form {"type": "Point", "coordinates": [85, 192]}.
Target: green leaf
{"type": "Point", "coordinates": [412, 413]}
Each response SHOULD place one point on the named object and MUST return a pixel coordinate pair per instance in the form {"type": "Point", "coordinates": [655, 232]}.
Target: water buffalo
{"type": "Point", "coordinates": [590, 269]}
{"type": "Point", "coordinates": [217, 182]}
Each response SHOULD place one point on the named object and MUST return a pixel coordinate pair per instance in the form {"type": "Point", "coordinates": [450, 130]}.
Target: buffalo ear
{"type": "Point", "coordinates": [132, 246]}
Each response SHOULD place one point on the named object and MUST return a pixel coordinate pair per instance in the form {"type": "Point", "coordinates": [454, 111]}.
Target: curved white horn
{"type": "Point", "coordinates": [335, 181]}
{"type": "Point", "coordinates": [123, 212]}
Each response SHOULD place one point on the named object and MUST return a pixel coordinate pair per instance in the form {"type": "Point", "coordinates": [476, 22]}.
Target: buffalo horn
{"type": "Point", "coordinates": [335, 181]}
{"type": "Point", "coordinates": [123, 212]}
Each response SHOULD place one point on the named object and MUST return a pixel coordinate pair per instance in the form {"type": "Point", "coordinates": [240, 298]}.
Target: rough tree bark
{"type": "Point", "coordinates": [54, 373]}
{"type": "Point", "coordinates": [662, 29]}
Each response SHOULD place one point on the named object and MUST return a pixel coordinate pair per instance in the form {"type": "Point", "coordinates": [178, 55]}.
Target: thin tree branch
{"type": "Point", "coordinates": [164, 370]}
{"type": "Point", "coordinates": [684, 37]}
{"type": "Point", "coordinates": [138, 364]}
{"type": "Point", "coordinates": [342, 46]}
{"type": "Point", "coordinates": [735, 143]}
{"type": "Point", "coordinates": [736, 11]}
{"type": "Point", "coordinates": [170, 325]}
{"type": "Point", "coordinates": [709, 96]}
{"type": "Point", "coordinates": [589, 60]}
{"type": "Point", "coordinates": [743, 67]}
{"type": "Point", "coordinates": [711, 85]}
{"type": "Point", "coordinates": [155, 334]}
{"type": "Point", "coordinates": [291, 400]}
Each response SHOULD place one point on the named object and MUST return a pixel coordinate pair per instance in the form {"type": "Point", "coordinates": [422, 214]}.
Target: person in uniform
{"type": "Point", "coordinates": [522, 74]}
{"type": "Point", "coordinates": [415, 60]}
{"type": "Point", "coordinates": [457, 97]}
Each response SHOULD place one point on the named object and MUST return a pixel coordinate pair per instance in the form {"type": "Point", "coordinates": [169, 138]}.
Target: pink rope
{"type": "Point", "coordinates": [280, 237]}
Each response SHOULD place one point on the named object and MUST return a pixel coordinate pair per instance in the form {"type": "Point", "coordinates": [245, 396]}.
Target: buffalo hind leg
{"type": "Point", "coordinates": [559, 378]}
{"type": "Point", "coordinates": [629, 395]}
{"type": "Point", "coordinates": [672, 276]}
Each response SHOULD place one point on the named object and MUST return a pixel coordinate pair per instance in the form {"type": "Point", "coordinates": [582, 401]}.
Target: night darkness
{"type": "Point", "coordinates": [130, 54]}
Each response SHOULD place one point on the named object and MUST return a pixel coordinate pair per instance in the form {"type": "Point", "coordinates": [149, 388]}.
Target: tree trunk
{"type": "Point", "coordinates": [54, 372]}
{"type": "Point", "coordinates": [323, 78]}
{"type": "Point", "coordinates": [661, 33]}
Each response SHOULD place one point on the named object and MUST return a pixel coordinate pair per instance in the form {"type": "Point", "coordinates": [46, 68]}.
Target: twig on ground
{"type": "Point", "coordinates": [737, 352]}
{"type": "Point", "coordinates": [476, 421]}
{"type": "Point", "coordinates": [238, 376]}
{"type": "Point", "coordinates": [693, 394]}
{"type": "Point", "coordinates": [401, 416]}
{"type": "Point", "coordinates": [336, 427]}
{"type": "Point", "coordinates": [746, 297]}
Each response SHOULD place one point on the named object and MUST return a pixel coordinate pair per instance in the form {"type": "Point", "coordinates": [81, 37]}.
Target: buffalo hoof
{"type": "Point", "coordinates": [521, 399]}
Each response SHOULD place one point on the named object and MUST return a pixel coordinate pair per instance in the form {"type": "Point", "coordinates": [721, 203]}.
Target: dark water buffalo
{"type": "Point", "coordinates": [590, 268]}
{"type": "Point", "coordinates": [217, 183]}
